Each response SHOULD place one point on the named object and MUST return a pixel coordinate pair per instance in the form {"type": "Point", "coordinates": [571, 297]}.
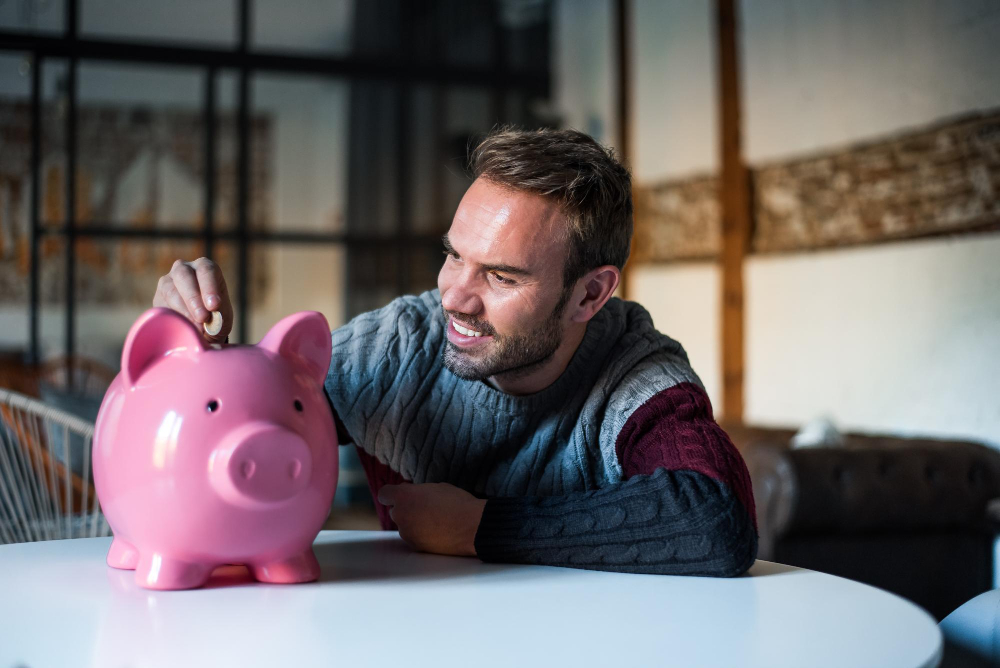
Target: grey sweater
{"type": "Point", "coordinates": [617, 465]}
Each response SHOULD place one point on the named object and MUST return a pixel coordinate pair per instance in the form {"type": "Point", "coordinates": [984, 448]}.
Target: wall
{"type": "Point", "coordinates": [898, 337]}
{"type": "Point", "coordinates": [820, 74]}
{"type": "Point", "coordinates": [683, 300]}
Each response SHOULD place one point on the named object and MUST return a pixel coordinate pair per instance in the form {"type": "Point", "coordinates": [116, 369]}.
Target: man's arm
{"type": "Point", "coordinates": [685, 508]}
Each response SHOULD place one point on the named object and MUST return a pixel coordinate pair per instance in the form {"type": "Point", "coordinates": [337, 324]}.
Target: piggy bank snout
{"type": "Point", "coordinates": [261, 463]}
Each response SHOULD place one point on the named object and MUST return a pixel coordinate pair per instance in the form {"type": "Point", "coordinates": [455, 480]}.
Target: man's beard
{"type": "Point", "coordinates": [513, 355]}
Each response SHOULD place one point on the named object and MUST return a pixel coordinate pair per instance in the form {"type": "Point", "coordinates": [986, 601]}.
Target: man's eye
{"type": "Point", "coordinates": [501, 279]}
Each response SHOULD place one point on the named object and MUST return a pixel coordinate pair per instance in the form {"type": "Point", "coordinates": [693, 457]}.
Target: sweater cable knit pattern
{"type": "Point", "coordinates": [560, 456]}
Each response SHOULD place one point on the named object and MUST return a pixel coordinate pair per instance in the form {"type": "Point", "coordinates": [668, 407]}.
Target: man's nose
{"type": "Point", "coordinates": [461, 295]}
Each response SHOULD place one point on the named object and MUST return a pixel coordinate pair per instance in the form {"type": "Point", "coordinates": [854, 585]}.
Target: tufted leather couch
{"type": "Point", "coordinates": [917, 517]}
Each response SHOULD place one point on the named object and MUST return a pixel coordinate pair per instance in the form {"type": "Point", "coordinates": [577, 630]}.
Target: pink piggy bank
{"type": "Point", "coordinates": [205, 457]}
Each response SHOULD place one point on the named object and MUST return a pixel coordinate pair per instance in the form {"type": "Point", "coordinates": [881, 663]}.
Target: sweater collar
{"type": "Point", "coordinates": [586, 362]}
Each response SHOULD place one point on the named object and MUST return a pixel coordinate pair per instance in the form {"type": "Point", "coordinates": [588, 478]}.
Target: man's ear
{"type": "Point", "coordinates": [593, 291]}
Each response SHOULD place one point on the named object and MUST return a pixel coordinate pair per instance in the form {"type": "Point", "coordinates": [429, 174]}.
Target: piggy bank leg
{"type": "Point", "coordinates": [122, 555]}
{"type": "Point", "coordinates": [158, 571]}
{"type": "Point", "coordinates": [302, 567]}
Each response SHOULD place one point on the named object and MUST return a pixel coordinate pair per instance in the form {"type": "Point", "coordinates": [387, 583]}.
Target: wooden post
{"type": "Point", "coordinates": [735, 201]}
{"type": "Point", "coordinates": [623, 18]}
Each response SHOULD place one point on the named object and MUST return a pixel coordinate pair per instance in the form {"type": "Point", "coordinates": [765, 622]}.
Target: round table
{"type": "Point", "coordinates": [380, 603]}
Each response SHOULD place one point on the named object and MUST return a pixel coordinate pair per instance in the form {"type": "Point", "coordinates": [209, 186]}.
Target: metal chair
{"type": "Point", "coordinates": [46, 481]}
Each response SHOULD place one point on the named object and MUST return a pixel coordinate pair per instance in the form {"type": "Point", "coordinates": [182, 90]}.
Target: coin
{"type": "Point", "coordinates": [214, 326]}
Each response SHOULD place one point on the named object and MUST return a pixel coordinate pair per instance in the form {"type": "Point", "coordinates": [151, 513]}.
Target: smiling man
{"type": "Point", "coordinates": [520, 413]}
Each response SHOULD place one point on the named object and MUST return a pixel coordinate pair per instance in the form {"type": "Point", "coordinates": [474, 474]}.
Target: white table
{"type": "Point", "coordinates": [379, 603]}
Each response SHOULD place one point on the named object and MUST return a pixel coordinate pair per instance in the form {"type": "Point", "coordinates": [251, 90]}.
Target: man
{"type": "Point", "coordinates": [537, 418]}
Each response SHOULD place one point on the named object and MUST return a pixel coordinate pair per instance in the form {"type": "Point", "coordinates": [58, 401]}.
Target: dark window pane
{"type": "Point", "coordinates": [226, 255]}
{"type": "Point", "coordinates": [288, 278]}
{"type": "Point", "coordinates": [428, 166]}
{"type": "Point", "coordinates": [424, 264]}
{"type": "Point", "coordinates": [531, 111]}
{"type": "Point", "coordinates": [373, 275]}
{"type": "Point", "coordinates": [52, 207]}
{"type": "Point", "coordinates": [209, 22]}
{"type": "Point", "coordinates": [467, 32]}
{"type": "Point", "coordinates": [51, 297]}
{"type": "Point", "coordinates": [226, 150]}
{"type": "Point", "coordinates": [303, 25]}
{"type": "Point", "coordinates": [527, 27]}
{"type": "Point", "coordinates": [36, 17]}
{"type": "Point", "coordinates": [300, 148]}
{"type": "Point", "coordinates": [15, 199]}
{"type": "Point", "coordinates": [15, 206]}
{"type": "Point", "coordinates": [451, 32]}
{"type": "Point", "coordinates": [468, 116]}
{"type": "Point", "coordinates": [140, 135]}
{"type": "Point", "coordinates": [115, 281]}
{"type": "Point", "coordinates": [373, 159]}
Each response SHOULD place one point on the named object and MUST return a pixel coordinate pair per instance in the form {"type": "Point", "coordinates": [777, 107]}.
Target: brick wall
{"type": "Point", "coordinates": [935, 180]}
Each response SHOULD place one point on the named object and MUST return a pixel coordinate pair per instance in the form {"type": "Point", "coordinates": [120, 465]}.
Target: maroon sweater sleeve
{"type": "Point", "coordinates": [379, 474]}
{"type": "Point", "coordinates": [685, 506]}
{"type": "Point", "coordinates": [675, 430]}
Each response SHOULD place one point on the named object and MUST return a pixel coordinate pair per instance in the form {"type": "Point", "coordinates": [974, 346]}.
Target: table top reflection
{"type": "Point", "coordinates": [379, 602]}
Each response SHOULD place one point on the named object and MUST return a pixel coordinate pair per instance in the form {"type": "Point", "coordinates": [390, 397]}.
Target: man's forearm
{"type": "Point", "coordinates": [670, 522]}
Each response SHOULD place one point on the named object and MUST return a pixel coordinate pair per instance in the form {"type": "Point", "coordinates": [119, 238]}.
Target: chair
{"type": "Point", "coordinates": [46, 482]}
{"type": "Point", "coordinates": [76, 376]}
{"type": "Point", "coordinates": [914, 516]}
{"type": "Point", "coordinates": [972, 633]}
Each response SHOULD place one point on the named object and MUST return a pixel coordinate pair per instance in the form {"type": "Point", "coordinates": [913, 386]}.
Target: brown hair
{"type": "Point", "coordinates": [591, 185]}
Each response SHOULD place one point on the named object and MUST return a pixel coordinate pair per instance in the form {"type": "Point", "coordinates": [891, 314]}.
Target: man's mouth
{"type": "Point", "coordinates": [464, 336]}
{"type": "Point", "coordinates": [464, 331]}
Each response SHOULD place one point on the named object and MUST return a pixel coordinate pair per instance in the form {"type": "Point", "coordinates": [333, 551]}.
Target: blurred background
{"type": "Point", "coordinates": [816, 184]}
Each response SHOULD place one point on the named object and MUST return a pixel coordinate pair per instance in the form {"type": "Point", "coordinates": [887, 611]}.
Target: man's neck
{"type": "Point", "coordinates": [546, 374]}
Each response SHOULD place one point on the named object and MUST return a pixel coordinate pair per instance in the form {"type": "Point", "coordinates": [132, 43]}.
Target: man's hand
{"type": "Point", "coordinates": [194, 289]}
{"type": "Point", "coordinates": [435, 517]}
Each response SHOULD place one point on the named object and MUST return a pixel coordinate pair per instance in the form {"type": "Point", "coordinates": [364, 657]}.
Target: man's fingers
{"type": "Point", "coordinates": [387, 495]}
{"type": "Point", "coordinates": [160, 297]}
{"type": "Point", "coordinates": [186, 282]}
{"type": "Point", "coordinates": [174, 301]}
{"type": "Point", "coordinates": [210, 282]}
{"type": "Point", "coordinates": [215, 295]}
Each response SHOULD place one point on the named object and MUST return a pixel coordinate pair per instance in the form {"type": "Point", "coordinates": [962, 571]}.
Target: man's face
{"type": "Point", "coordinates": [502, 292]}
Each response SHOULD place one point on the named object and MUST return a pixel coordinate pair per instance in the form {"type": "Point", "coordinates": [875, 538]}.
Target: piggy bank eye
{"type": "Point", "coordinates": [298, 405]}
{"type": "Point", "coordinates": [212, 406]}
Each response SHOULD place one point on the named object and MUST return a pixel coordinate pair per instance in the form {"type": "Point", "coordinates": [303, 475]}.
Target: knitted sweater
{"type": "Point", "coordinates": [618, 465]}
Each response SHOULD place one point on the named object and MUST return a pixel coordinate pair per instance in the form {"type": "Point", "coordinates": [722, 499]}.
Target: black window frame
{"type": "Point", "coordinates": [499, 79]}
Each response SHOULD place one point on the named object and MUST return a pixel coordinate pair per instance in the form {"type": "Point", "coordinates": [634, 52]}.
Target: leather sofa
{"type": "Point", "coordinates": [917, 517]}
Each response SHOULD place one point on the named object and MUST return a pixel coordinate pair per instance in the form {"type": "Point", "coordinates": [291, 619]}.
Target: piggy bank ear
{"type": "Point", "coordinates": [304, 339]}
{"type": "Point", "coordinates": [157, 333]}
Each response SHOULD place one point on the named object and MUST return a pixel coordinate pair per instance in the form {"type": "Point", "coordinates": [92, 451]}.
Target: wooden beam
{"type": "Point", "coordinates": [735, 204]}
{"type": "Point", "coordinates": [623, 19]}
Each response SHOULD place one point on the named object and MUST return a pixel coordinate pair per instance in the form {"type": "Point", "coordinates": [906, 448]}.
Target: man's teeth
{"type": "Point", "coordinates": [463, 331]}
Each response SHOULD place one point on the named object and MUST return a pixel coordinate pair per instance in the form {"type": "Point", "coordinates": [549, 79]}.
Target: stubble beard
{"type": "Point", "coordinates": [510, 356]}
